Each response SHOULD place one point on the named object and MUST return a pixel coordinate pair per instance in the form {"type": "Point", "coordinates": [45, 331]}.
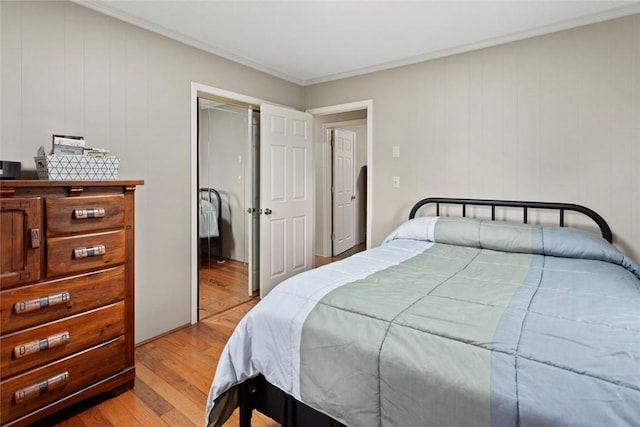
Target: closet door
{"type": "Point", "coordinates": [286, 195]}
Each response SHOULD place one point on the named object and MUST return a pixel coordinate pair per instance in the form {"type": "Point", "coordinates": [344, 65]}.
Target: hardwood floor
{"type": "Point", "coordinates": [173, 376]}
{"type": "Point", "coordinates": [320, 261]}
{"type": "Point", "coordinates": [174, 372]}
{"type": "Point", "coordinates": [222, 286]}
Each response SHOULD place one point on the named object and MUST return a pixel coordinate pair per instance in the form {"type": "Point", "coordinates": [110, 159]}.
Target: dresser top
{"type": "Point", "coordinates": [26, 183]}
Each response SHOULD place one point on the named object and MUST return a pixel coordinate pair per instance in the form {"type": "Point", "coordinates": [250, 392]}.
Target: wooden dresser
{"type": "Point", "coordinates": [66, 294]}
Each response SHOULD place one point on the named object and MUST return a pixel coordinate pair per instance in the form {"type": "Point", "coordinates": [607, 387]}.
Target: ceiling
{"type": "Point", "coordinates": [308, 42]}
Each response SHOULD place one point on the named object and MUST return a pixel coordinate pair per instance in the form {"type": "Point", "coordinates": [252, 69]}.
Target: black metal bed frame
{"type": "Point", "coordinates": [209, 191]}
{"type": "Point", "coordinates": [257, 393]}
{"type": "Point", "coordinates": [560, 207]}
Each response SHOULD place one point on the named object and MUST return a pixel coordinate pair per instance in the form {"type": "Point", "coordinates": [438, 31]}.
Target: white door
{"type": "Point", "coordinates": [286, 195]}
{"type": "Point", "coordinates": [344, 212]}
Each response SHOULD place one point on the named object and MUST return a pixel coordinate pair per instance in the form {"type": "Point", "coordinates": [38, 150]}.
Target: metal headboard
{"type": "Point", "coordinates": [561, 207]}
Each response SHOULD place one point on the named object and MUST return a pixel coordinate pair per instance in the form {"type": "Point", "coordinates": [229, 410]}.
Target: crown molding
{"type": "Point", "coordinates": [174, 35]}
{"type": "Point", "coordinates": [521, 35]}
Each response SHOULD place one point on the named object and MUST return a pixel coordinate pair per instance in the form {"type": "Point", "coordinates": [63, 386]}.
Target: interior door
{"type": "Point", "coordinates": [286, 195]}
{"type": "Point", "coordinates": [344, 212]}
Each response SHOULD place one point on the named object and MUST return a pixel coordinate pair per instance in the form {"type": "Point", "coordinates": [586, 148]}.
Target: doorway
{"type": "Point", "coordinates": [343, 190]}
{"type": "Point", "coordinates": [224, 187]}
{"type": "Point", "coordinates": [355, 118]}
{"type": "Point", "coordinates": [200, 90]}
{"type": "Point", "coordinates": [348, 236]}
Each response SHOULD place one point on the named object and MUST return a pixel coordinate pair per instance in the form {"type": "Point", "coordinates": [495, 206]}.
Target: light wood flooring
{"type": "Point", "coordinates": [174, 372]}
{"type": "Point", "coordinates": [222, 286]}
{"type": "Point", "coordinates": [173, 376]}
{"type": "Point", "coordinates": [320, 261]}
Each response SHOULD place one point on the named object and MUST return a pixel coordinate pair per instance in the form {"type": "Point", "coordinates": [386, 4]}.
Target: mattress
{"type": "Point", "coordinates": [452, 321]}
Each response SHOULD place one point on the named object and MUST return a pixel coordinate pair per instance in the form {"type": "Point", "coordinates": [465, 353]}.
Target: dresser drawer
{"type": "Point", "coordinates": [24, 350]}
{"type": "Point", "coordinates": [70, 254]}
{"type": "Point", "coordinates": [70, 215]}
{"type": "Point", "coordinates": [36, 388]}
{"type": "Point", "coordinates": [35, 304]}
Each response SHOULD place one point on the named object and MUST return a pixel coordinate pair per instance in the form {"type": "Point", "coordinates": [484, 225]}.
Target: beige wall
{"type": "Point", "coordinates": [550, 118]}
{"type": "Point", "coordinates": [554, 118]}
{"type": "Point", "coordinates": [67, 69]}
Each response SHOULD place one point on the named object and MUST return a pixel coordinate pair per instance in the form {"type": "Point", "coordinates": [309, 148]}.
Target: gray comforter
{"type": "Point", "coordinates": [452, 322]}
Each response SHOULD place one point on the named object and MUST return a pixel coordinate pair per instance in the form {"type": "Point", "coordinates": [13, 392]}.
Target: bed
{"type": "Point", "coordinates": [451, 321]}
{"type": "Point", "coordinates": [210, 230]}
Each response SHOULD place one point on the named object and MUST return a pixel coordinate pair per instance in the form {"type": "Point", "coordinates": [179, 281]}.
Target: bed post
{"type": "Point", "coordinates": [244, 400]}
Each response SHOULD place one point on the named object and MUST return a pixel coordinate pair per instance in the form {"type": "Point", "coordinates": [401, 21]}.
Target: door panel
{"type": "Point", "coordinates": [286, 200]}
{"type": "Point", "coordinates": [300, 174]}
{"type": "Point", "coordinates": [300, 238]}
{"type": "Point", "coordinates": [278, 251]}
{"type": "Point", "coordinates": [278, 165]}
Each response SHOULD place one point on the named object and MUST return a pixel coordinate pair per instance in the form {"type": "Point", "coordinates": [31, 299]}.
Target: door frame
{"type": "Point", "coordinates": [202, 90]}
{"type": "Point", "coordinates": [326, 156]}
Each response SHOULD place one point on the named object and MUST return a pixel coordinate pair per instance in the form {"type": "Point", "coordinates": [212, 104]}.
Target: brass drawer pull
{"type": "Point", "coordinates": [40, 345]}
{"type": "Point", "coordinates": [42, 302]}
{"type": "Point", "coordinates": [89, 251]}
{"type": "Point", "coordinates": [89, 213]}
{"type": "Point", "coordinates": [40, 388]}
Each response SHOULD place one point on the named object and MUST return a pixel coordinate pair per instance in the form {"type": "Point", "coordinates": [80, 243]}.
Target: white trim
{"type": "Point", "coordinates": [325, 195]}
{"type": "Point", "coordinates": [342, 108]}
{"type": "Point", "coordinates": [195, 89]}
{"type": "Point", "coordinates": [495, 41]}
{"type": "Point", "coordinates": [222, 93]}
{"type": "Point", "coordinates": [106, 9]}
{"type": "Point", "coordinates": [353, 106]}
{"type": "Point", "coordinates": [103, 7]}
{"type": "Point", "coordinates": [194, 203]}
